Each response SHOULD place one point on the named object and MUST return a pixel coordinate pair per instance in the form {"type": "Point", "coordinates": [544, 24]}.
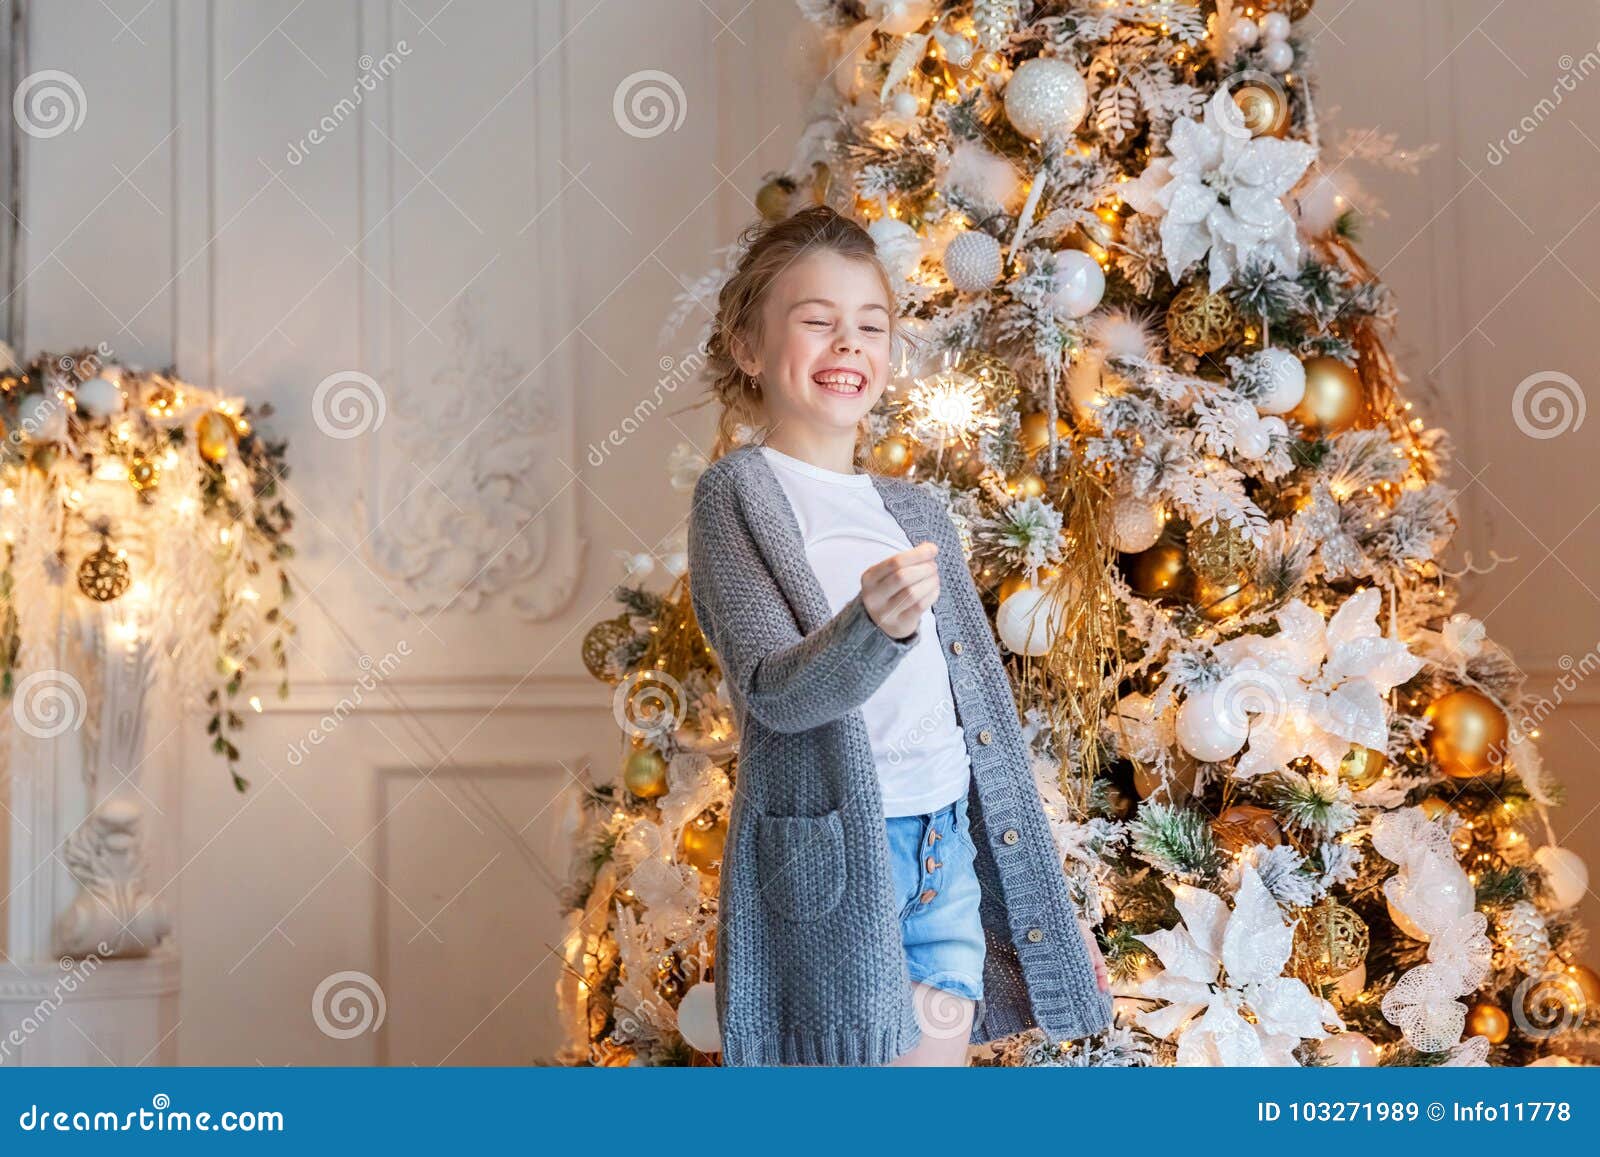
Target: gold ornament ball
{"type": "Point", "coordinates": [1035, 431]}
{"type": "Point", "coordinates": [103, 575]}
{"type": "Point", "coordinates": [1218, 601]}
{"type": "Point", "coordinates": [1158, 573]}
{"type": "Point", "coordinates": [1361, 767]}
{"type": "Point", "coordinates": [1200, 323]}
{"type": "Point", "coordinates": [1469, 733]}
{"type": "Point", "coordinates": [772, 202]}
{"type": "Point", "coordinates": [893, 454]}
{"type": "Point", "coordinates": [1588, 982]}
{"type": "Point", "coordinates": [601, 640]}
{"type": "Point", "coordinates": [1490, 1020]}
{"type": "Point", "coordinates": [645, 773]}
{"type": "Point", "coordinates": [1433, 807]}
{"type": "Point", "coordinates": [1178, 785]}
{"type": "Point", "coordinates": [1244, 824]}
{"type": "Point", "coordinates": [703, 842]}
{"type": "Point", "coordinates": [1265, 109]}
{"type": "Point", "coordinates": [1218, 551]}
{"type": "Point", "coordinates": [1329, 941]}
{"type": "Point", "coordinates": [215, 435]}
{"type": "Point", "coordinates": [1334, 399]}
{"type": "Point", "coordinates": [1027, 485]}
{"type": "Point", "coordinates": [144, 473]}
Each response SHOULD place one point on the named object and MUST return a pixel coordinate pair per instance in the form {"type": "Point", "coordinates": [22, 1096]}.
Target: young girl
{"type": "Point", "coordinates": [890, 890]}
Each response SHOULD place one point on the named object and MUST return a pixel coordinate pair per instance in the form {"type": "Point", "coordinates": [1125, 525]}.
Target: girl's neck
{"type": "Point", "coordinates": [828, 451]}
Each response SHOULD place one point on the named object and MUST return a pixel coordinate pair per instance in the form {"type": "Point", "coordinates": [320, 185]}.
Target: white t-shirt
{"type": "Point", "coordinates": [917, 744]}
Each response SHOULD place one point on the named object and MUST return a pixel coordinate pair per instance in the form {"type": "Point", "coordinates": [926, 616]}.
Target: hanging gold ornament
{"type": "Point", "coordinates": [894, 454]}
{"type": "Point", "coordinates": [772, 201]}
{"type": "Point", "coordinates": [1588, 982]}
{"type": "Point", "coordinates": [1361, 767]}
{"type": "Point", "coordinates": [1035, 429]}
{"type": "Point", "coordinates": [1244, 824]}
{"type": "Point", "coordinates": [1027, 485]}
{"type": "Point", "coordinates": [1178, 784]}
{"type": "Point", "coordinates": [144, 473]}
{"type": "Point", "coordinates": [1334, 399]}
{"type": "Point", "coordinates": [1011, 584]}
{"type": "Point", "coordinates": [1221, 600]}
{"type": "Point", "coordinates": [1329, 941]}
{"type": "Point", "coordinates": [1200, 323]}
{"type": "Point", "coordinates": [1469, 733]}
{"type": "Point", "coordinates": [1490, 1020]}
{"type": "Point", "coordinates": [602, 639]}
{"type": "Point", "coordinates": [645, 773]}
{"type": "Point", "coordinates": [1433, 807]}
{"type": "Point", "coordinates": [214, 433]}
{"type": "Point", "coordinates": [1158, 573]}
{"type": "Point", "coordinates": [1218, 551]}
{"type": "Point", "coordinates": [103, 575]}
{"type": "Point", "coordinates": [821, 182]}
{"type": "Point", "coordinates": [1265, 109]}
{"type": "Point", "coordinates": [703, 840]}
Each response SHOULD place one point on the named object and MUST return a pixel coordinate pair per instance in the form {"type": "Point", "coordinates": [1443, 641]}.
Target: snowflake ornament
{"type": "Point", "coordinates": [1221, 191]}
{"type": "Point", "coordinates": [1220, 964]}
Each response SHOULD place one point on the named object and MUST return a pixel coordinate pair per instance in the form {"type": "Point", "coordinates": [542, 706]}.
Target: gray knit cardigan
{"type": "Point", "coordinates": [810, 967]}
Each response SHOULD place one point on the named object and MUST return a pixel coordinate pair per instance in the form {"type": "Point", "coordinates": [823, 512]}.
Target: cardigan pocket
{"type": "Point", "coordinates": [800, 864]}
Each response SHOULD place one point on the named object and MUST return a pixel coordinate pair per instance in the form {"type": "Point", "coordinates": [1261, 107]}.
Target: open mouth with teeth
{"type": "Point", "coordinates": [845, 382]}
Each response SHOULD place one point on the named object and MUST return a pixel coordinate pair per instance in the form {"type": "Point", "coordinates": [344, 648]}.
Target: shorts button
{"type": "Point", "coordinates": [1010, 836]}
{"type": "Point", "coordinates": [985, 736]}
{"type": "Point", "coordinates": [928, 895]}
{"type": "Point", "coordinates": [955, 647]}
{"type": "Point", "coordinates": [1034, 935]}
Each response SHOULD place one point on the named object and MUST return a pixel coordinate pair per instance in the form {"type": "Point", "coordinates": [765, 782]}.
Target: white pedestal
{"type": "Point", "coordinates": [90, 1012]}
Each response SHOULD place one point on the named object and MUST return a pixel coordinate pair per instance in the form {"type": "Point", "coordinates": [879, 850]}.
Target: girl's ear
{"type": "Point", "coordinates": [743, 356]}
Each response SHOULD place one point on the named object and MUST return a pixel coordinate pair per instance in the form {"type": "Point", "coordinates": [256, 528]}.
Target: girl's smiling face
{"type": "Point", "coordinates": [823, 360]}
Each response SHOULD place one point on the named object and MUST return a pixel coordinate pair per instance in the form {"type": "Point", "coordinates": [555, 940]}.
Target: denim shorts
{"type": "Point", "coordinates": [931, 858]}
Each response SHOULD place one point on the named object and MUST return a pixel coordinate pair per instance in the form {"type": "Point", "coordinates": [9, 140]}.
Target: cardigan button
{"type": "Point", "coordinates": [1011, 836]}
{"type": "Point", "coordinates": [985, 736]}
{"type": "Point", "coordinates": [1034, 935]}
{"type": "Point", "coordinates": [955, 647]}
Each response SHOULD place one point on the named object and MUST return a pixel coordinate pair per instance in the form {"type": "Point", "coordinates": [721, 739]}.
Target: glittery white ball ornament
{"type": "Point", "coordinates": [1244, 32]}
{"type": "Point", "coordinates": [1135, 523]}
{"type": "Point", "coordinates": [1351, 1050]}
{"type": "Point", "coordinates": [1284, 376]}
{"type": "Point", "coordinates": [972, 261]}
{"type": "Point", "coordinates": [904, 103]}
{"type": "Point", "coordinates": [697, 1018]}
{"type": "Point", "coordinates": [100, 398]}
{"type": "Point", "coordinates": [1275, 26]}
{"type": "Point", "coordinates": [1252, 439]}
{"type": "Point", "coordinates": [42, 418]}
{"type": "Point", "coordinates": [1565, 873]}
{"type": "Point", "coordinates": [1201, 731]}
{"type": "Point", "coordinates": [1029, 621]}
{"type": "Point", "coordinates": [1046, 98]}
{"type": "Point", "coordinates": [1080, 284]}
{"type": "Point", "coordinates": [1279, 56]}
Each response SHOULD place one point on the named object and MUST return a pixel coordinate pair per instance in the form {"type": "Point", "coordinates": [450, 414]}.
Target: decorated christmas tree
{"type": "Point", "coordinates": [1296, 791]}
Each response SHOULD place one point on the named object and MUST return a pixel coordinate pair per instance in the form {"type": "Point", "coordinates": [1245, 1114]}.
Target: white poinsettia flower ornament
{"type": "Point", "coordinates": [1221, 191]}
{"type": "Point", "coordinates": [1221, 964]}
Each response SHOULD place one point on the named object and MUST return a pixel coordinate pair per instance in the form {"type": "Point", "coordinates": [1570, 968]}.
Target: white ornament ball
{"type": "Point", "coordinates": [1565, 873]}
{"type": "Point", "coordinates": [42, 418]}
{"type": "Point", "coordinates": [100, 397]}
{"type": "Point", "coordinates": [1080, 284]}
{"type": "Point", "coordinates": [899, 246]}
{"type": "Point", "coordinates": [1349, 986]}
{"type": "Point", "coordinates": [1351, 1050]}
{"type": "Point", "coordinates": [1320, 199]}
{"type": "Point", "coordinates": [1404, 922]}
{"type": "Point", "coordinates": [972, 261]}
{"type": "Point", "coordinates": [904, 103]}
{"type": "Point", "coordinates": [1279, 56]}
{"type": "Point", "coordinates": [1244, 32]}
{"type": "Point", "coordinates": [1275, 26]}
{"type": "Point", "coordinates": [697, 1018]}
{"type": "Point", "coordinates": [1029, 621]}
{"type": "Point", "coordinates": [1285, 378]}
{"type": "Point", "coordinates": [1276, 428]}
{"type": "Point", "coordinates": [900, 17]}
{"type": "Point", "coordinates": [1135, 523]}
{"type": "Point", "coordinates": [1201, 731]}
{"type": "Point", "coordinates": [1046, 98]}
{"type": "Point", "coordinates": [1252, 439]}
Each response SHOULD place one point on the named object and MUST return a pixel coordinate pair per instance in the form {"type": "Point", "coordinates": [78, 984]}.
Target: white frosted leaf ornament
{"type": "Point", "coordinates": [1286, 1006]}
{"type": "Point", "coordinates": [1205, 916]}
{"type": "Point", "coordinates": [1423, 1007]}
{"type": "Point", "coordinates": [1257, 942]}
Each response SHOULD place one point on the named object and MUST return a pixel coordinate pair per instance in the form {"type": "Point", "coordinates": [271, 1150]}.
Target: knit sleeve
{"type": "Point", "coordinates": [788, 681]}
